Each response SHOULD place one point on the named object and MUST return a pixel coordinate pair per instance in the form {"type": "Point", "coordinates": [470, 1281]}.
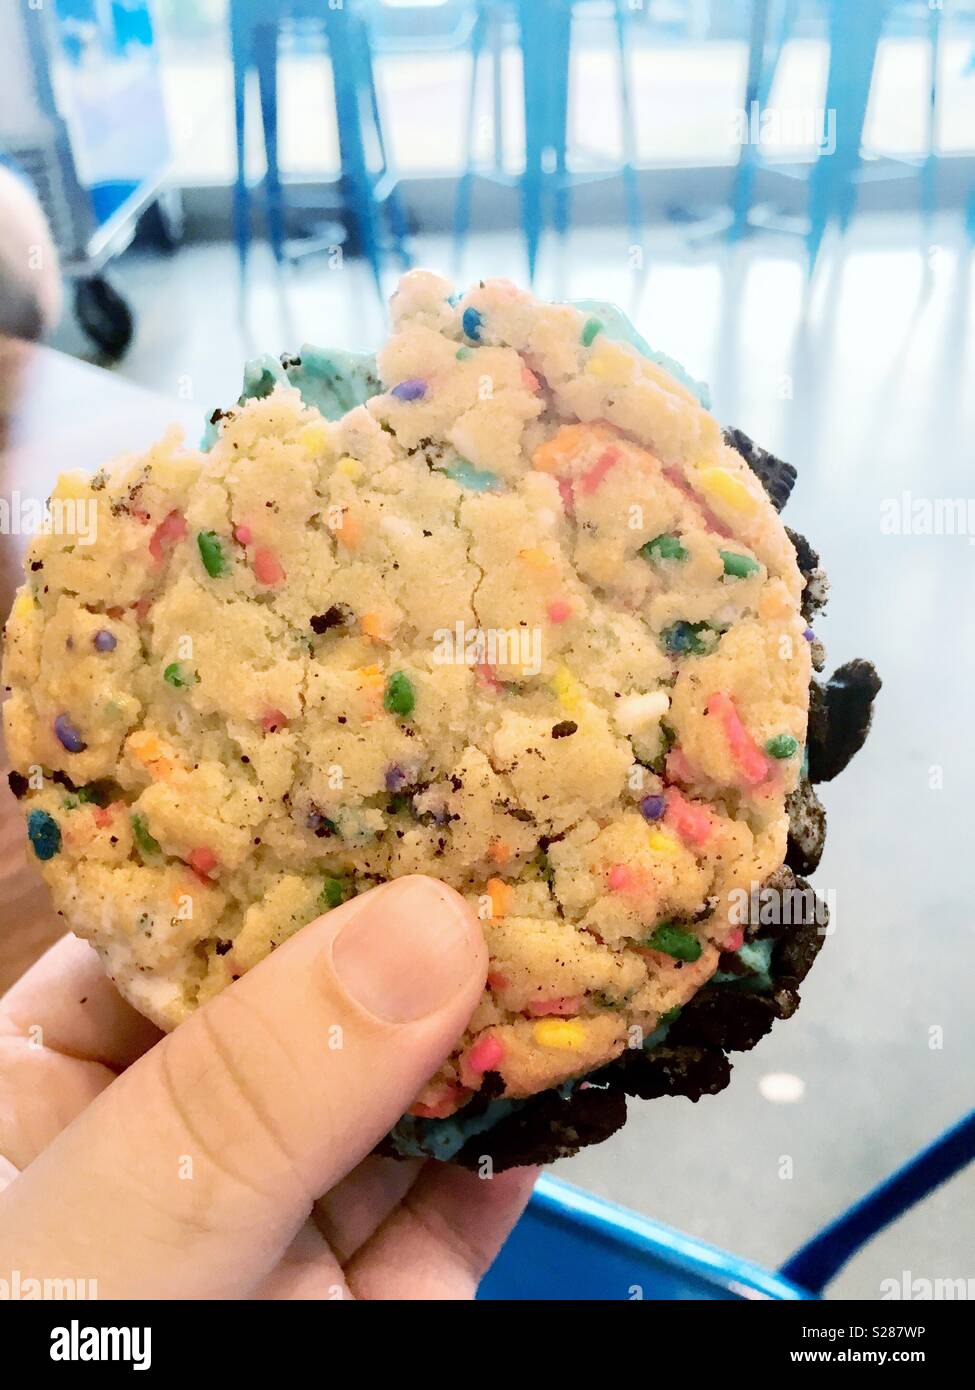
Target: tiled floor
{"type": "Point", "coordinates": [865, 385]}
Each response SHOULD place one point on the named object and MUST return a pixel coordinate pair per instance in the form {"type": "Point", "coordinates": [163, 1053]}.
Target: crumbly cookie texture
{"type": "Point", "coordinates": [523, 620]}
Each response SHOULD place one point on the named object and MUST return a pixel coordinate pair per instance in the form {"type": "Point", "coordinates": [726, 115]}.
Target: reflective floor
{"type": "Point", "coordinates": [865, 384]}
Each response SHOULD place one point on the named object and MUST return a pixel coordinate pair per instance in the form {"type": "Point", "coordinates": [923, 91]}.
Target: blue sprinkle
{"type": "Point", "coordinates": [44, 834]}
{"type": "Point", "coordinates": [652, 807]}
{"type": "Point", "coordinates": [395, 778]}
{"type": "Point", "coordinates": [105, 641]}
{"type": "Point", "coordinates": [411, 390]}
{"type": "Point", "coordinates": [68, 735]}
{"type": "Point", "coordinates": [474, 479]}
{"type": "Point", "coordinates": [472, 321]}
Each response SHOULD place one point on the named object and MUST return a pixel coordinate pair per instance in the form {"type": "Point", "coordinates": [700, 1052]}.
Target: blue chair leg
{"type": "Point", "coordinates": [266, 54]}
{"type": "Point", "coordinates": [630, 185]}
{"type": "Point", "coordinates": [395, 212]}
{"type": "Point", "coordinates": [559, 77]}
{"type": "Point", "coordinates": [534, 31]}
{"type": "Point", "coordinates": [854, 36]}
{"type": "Point", "coordinates": [357, 183]}
{"type": "Point", "coordinates": [462, 207]}
{"type": "Point", "coordinates": [742, 192]}
{"type": "Point", "coordinates": [929, 170]}
{"type": "Point", "coordinates": [241, 47]}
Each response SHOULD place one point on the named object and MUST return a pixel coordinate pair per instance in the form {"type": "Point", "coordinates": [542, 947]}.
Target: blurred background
{"type": "Point", "coordinates": [781, 193]}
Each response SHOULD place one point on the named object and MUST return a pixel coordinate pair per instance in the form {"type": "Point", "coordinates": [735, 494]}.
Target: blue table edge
{"type": "Point", "coordinates": [565, 1205]}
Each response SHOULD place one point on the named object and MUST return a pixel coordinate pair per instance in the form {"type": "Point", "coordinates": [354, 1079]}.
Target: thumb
{"type": "Point", "coordinates": [190, 1175]}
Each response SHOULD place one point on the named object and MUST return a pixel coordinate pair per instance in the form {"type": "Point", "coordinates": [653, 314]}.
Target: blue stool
{"type": "Point", "coordinates": [255, 27]}
{"type": "Point", "coordinates": [854, 35]}
{"type": "Point", "coordinates": [571, 1245]}
{"type": "Point", "coordinates": [545, 34]}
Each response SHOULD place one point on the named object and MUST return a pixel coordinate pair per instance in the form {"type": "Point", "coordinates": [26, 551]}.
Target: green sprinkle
{"type": "Point", "coordinates": [675, 941]}
{"type": "Point", "coordinates": [211, 553]}
{"type": "Point", "coordinates": [399, 697]}
{"type": "Point", "coordinates": [738, 566]}
{"type": "Point", "coordinates": [175, 675]}
{"type": "Point", "coordinates": [671, 1016]}
{"type": "Point", "coordinates": [591, 330]}
{"type": "Point", "coordinates": [666, 547]}
{"type": "Point", "coordinates": [334, 893]}
{"type": "Point", "coordinates": [147, 845]}
{"type": "Point", "coordinates": [682, 636]}
{"type": "Point", "coordinates": [463, 353]}
{"type": "Point", "coordinates": [44, 834]}
{"type": "Point", "coordinates": [782, 746]}
{"type": "Point", "coordinates": [465, 475]}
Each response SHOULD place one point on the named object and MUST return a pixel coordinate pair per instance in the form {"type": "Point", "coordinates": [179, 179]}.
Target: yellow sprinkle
{"type": "Point", "coordinates": [23, 605]}
{"type": "Point", "coordinates": [664, 844]}
{"type": "Point", "coordinates": [536, 558]}
{"type": "Point", "coordinates": [565, 1033]}
{"type": "Point", "coordinates": [314, 439]}
{"type": "Point", "coordinates": [350, 468]}
{"type": "Point", "coordinates": [145, 746]}
{"type": "Point", "coordinates": [566, 688]}
{"type": "Point", "coordinates": [727, 488]}
{"type": "Point", "coordinates": [371, 675]}
{"type": "Point", "coordinates": [611, 364]}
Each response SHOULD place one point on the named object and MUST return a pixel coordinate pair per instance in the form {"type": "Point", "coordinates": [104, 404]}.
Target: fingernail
{"type": "Point", "coordinates": [407, 951]}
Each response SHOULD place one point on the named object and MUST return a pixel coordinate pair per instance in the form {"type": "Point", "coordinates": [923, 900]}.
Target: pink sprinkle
{"type": "Point", "coordinates": [591, 480]}
{"type": "Point", "coordinates": [567, 495]}
{"type": "Point", "coordinates": [141, 516]}
{"type": "Point", "coordinates": [558, 610]}
{"type": "Point", "coordinates": [102, 816]}
{"type": "Point", "coordinates": [142, 608]}
{"type": "Point", "coordinates": [171, 529]}
{"type": "Point", "coordinates": [678, 766]}
{"type": "Point", "coordinates": [620, 878]}
{"type": "Point", "coordinates": [202, 861]}
{"type": "Point", "coordinates": [751, 760]}
{"type": "Point", "coordinates": [244, 534]}
{"type": "Point", "coordinates": [735, 939]}
{"type": "Point", "coordinates": [497, 981]}
{"type": "Point", "coordinates": [712, 522]}
{"type": "Point", "coordinates": [561, 1007]}
{"type": "Point", "coordinates": [486, 677]}
{"type": "Point", "coordinates": [529, 380]}
{"type": "Point", "coordinates": [691, 821]}
{"type": "Point", "coordinates": [267, 566]}
{"type": "Point", "coordinates": [485, 1055]}
{"type": "Point", "coordinates": [272, 720]}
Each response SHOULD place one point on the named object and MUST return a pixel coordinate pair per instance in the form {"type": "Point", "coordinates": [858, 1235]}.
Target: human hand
{"type": "Point", "coordinates": [229, 1158]}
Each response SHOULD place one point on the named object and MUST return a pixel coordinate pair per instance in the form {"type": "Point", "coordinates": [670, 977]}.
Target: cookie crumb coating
{"type": "Point", "coordinates": [523, 620]}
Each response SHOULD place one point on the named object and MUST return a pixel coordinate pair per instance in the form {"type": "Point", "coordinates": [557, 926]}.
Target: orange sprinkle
{"type": "Point", "coordinates": [500, 894]}
{"type": "Point", "coordinates": [499, 852]}
{"type": "Point", "coordinates": [349, 533]}
{"type": "Point", "coordinates": [374, 626]}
